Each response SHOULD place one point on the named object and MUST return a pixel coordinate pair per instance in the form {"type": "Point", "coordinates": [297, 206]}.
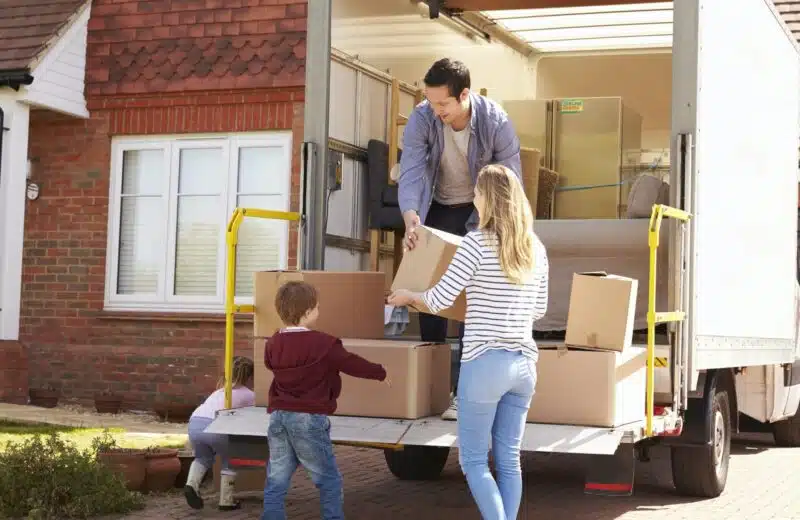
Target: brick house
{"type": "Point", "coordinates": [177, 112]}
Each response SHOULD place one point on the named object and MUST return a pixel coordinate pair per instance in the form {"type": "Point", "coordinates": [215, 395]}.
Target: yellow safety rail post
{"type": "Point", "coordinates": [659, 212]}
{"type": "Point", "coordinates": [231, 240]}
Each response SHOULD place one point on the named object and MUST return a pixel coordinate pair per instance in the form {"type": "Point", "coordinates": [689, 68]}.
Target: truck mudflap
{"type": "Point", "coordinates": [432, 431]}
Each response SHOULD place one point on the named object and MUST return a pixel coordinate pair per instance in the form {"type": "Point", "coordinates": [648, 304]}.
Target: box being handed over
{"type": "Point", "coordinates": [422, 267]}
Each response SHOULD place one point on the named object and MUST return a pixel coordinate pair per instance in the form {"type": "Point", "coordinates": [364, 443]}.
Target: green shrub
{"type": "Point", "coordinates": [46, 477]}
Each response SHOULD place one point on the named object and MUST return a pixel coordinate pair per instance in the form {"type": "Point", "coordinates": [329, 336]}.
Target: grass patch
{"type": "Point", "coordinates": [82, 438]}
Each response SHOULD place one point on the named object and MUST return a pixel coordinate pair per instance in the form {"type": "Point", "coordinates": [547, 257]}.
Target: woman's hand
{"type": "Point", "coordinates": [401, 298]}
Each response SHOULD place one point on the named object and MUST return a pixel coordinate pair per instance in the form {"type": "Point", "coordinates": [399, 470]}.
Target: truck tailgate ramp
{"type": "Point", "coordinates": [254, 421]}
{"type": "Point", "coordinates": [553, 438]}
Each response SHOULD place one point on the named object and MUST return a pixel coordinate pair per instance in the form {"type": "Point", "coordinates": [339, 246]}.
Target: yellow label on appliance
{"type": "Point", "coordinates": [571, 106]}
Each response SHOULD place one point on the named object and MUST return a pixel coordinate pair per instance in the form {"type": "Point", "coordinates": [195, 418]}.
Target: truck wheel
{"type": "Point", "coordinates": [417, 462]}
{"type": "Point", "coordinates": [787, 432]}
{"type": "Point", "coordinates": [702, 471]}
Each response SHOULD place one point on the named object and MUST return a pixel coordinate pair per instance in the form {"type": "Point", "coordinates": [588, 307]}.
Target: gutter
{"type": "Point", "coordinates": [15, 78]}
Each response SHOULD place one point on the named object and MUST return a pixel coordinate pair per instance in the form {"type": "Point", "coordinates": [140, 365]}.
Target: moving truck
{"type": "Point", "coordinates": [716, 88]}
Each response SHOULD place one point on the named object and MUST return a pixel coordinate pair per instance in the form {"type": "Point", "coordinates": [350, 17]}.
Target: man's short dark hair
{"type": "Point", "coordinates": [450, 73]}
{"type": "Point", "coordinates": [294, 300]}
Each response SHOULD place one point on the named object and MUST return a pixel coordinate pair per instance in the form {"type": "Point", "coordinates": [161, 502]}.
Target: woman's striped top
{"type": "Point", "coordinates": [500, 313]}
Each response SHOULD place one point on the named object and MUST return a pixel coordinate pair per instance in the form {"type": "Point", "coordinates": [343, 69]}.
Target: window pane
{"type": "Point", "coordinates": [196, 245]}
{"type": "Point", "coordinates": [261, 242]}
{"type": "Point", "coordinates": [141, 245]}
{"type": "Point", "coordinates": [142, 172]}
{"type": "Point", "coordinates": [202, 171]}
{"type": "Point", "coordinates": [260, 169]}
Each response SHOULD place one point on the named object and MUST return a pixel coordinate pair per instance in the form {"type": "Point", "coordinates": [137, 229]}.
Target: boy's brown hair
{"type": "Point", "coordinates": [294, 300]}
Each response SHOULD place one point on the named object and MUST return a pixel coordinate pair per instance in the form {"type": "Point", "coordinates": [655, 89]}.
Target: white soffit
{"type": "Point", "coordinates": [570, 29]}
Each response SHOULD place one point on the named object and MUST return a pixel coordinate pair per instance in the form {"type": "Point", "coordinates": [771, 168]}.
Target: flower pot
{"type": "Point", "coordinates": [161, 467]}
{"type": "Point", "coordinates": [186, 457]}
{"type": "Point", "coordinates": [44, 398]}
{"type": "Point", "coordinates": [128, 463]}
{"type": "Point", "coordinates": [107, 404]}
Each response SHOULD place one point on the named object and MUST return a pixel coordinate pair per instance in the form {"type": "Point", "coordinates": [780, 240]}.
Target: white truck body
{"type": "Point", "coordinates": [735, 134]}
{"type": "Point", "coordinates": [737, 97]}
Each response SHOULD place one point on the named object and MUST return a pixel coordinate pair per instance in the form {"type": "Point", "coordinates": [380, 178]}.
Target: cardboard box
{"type": "Point", "coordinates": [422, 267]}
{"type": "Point", "coordinates": [351, 304]}
{"type": "Point", "coordinates": [419, 372]}
{"type": "Point", "coordinates": [589, 387]}
{"type": "Point", "coordinates": [601, 311]}
{"type": "Point", "coordinates": [531, 159]}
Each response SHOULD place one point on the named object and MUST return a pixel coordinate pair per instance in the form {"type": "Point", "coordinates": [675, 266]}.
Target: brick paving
{"type": "Point", "coordinates": [762, 485]}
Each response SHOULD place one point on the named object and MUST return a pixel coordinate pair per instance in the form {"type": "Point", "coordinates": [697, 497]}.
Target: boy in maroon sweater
{"type": "Point", "coordinates": [306, 365]}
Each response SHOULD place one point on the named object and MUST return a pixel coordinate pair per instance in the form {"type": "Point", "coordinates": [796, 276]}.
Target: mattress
{"type": "Point", "coordinates": [611, 245]}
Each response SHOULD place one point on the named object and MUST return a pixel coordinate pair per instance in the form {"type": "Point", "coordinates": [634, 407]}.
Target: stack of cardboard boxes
{"type": "Point", "coordinates": [596, 378]}
{"type": "Point", "coordinates": [351, 307]}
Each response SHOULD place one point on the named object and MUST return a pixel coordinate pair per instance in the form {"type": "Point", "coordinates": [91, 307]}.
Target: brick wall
{"type": "Point", "coordinates": [13, 373]}
{"type": "Point", "coordinates": [154, 67]}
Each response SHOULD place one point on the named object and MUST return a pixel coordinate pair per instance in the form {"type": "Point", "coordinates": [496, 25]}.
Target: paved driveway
{"type": "Point", "coordinates": [763, 485]}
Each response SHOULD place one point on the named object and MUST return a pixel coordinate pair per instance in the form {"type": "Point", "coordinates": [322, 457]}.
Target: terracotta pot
{"type": "Point", "coordinates": [162, 467]}
{"type": "Point", "coordinates": [43, 398]}
{"type": "Point", "coordinates": [107, 404]}
{"type": "Point", "coordinates": [128, 463]}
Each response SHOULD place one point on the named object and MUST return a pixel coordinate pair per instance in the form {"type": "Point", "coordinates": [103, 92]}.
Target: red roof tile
{"type": "Point", "coordinates": [173, 45]}
{"type": "Point", "coordinates": [28, 27]}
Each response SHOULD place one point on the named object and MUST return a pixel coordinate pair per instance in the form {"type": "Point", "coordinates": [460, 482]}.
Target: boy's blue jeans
{"type": "Point", "coordinates": [495, 392]}
{"type": "Point", "coordinates": [301, 438]}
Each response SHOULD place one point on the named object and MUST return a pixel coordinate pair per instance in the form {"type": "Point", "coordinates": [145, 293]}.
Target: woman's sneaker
{"type": "Point", "coordinates": [451, 414]}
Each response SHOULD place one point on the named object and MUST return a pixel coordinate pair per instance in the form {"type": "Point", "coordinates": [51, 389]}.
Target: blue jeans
{"type": "Point", "coordinates": [295, 439]}
{"type": "Point", "coordinates": [495, 392]}
{"type": "Point", "coordinates": [207, 445]}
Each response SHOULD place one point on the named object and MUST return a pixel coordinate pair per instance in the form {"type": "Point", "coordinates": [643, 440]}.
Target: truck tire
{"type": "Point", "coordinates": [417, 462]}
{"type": "Point", "coordinates": [787, 432]}
{"type": "Point", "coordinates": [702, 471]}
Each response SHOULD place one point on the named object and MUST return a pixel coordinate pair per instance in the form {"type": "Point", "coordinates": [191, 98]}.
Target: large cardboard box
{"type": "Point", "coordinates": [422, 267]}
{"type": "Point", "coordinates": [589, 387]}
{"type": "Point", "coordinates": [531, 160]}
{"type": "Point", "coordinates": [351, 304]}
{"type": "Point", "coordinates": [419, 374]}
{"type": "Point", "coordinates": [601, 311]}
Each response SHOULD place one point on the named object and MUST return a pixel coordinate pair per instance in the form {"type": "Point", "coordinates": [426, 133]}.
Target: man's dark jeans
{"type": "Point", "coordinates": [451, 219]}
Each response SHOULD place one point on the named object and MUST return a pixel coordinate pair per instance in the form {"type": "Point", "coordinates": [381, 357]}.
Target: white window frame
{"type": "Point", "coordinates": [164, 300]}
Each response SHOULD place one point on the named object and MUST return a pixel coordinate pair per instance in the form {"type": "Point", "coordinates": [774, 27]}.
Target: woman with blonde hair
{"type": "Point", "coordinates": [503, 268]}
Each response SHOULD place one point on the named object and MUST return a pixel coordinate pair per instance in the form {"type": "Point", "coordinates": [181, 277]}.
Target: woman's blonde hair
{"type": "Point", "coordinates": [508, 214]}
{"type": "Point", "coordinates": [243, 370]}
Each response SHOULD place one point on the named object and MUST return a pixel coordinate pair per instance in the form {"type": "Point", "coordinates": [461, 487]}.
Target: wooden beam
{"type": "Point", "coordinates": [499, 5]}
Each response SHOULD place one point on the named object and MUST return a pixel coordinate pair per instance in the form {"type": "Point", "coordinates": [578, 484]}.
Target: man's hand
{"type": "Point", "coordinates": [411, 220]}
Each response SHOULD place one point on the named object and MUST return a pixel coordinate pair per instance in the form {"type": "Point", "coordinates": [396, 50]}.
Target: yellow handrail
{"type": "Point", "coordinates": [659, 212]}
{"type": "Point", "coordinates": [231, 240]}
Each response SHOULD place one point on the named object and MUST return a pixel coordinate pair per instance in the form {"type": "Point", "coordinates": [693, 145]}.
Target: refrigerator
{"type": "Point", "coordinates": [588, 142]}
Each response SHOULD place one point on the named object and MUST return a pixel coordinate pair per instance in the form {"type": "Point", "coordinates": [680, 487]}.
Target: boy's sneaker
{"type": "Point", "coordinates": [451, 414]}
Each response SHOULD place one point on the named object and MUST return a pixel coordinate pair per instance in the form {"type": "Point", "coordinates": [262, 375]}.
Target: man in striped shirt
{"type": "Point", "coordinates": [449, 137]}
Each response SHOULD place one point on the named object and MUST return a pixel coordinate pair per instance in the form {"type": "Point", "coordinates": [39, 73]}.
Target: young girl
{"type": "Point", "coordinates": [208, 445]}
{"type": "Point", "coordinates": [503, 267]}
